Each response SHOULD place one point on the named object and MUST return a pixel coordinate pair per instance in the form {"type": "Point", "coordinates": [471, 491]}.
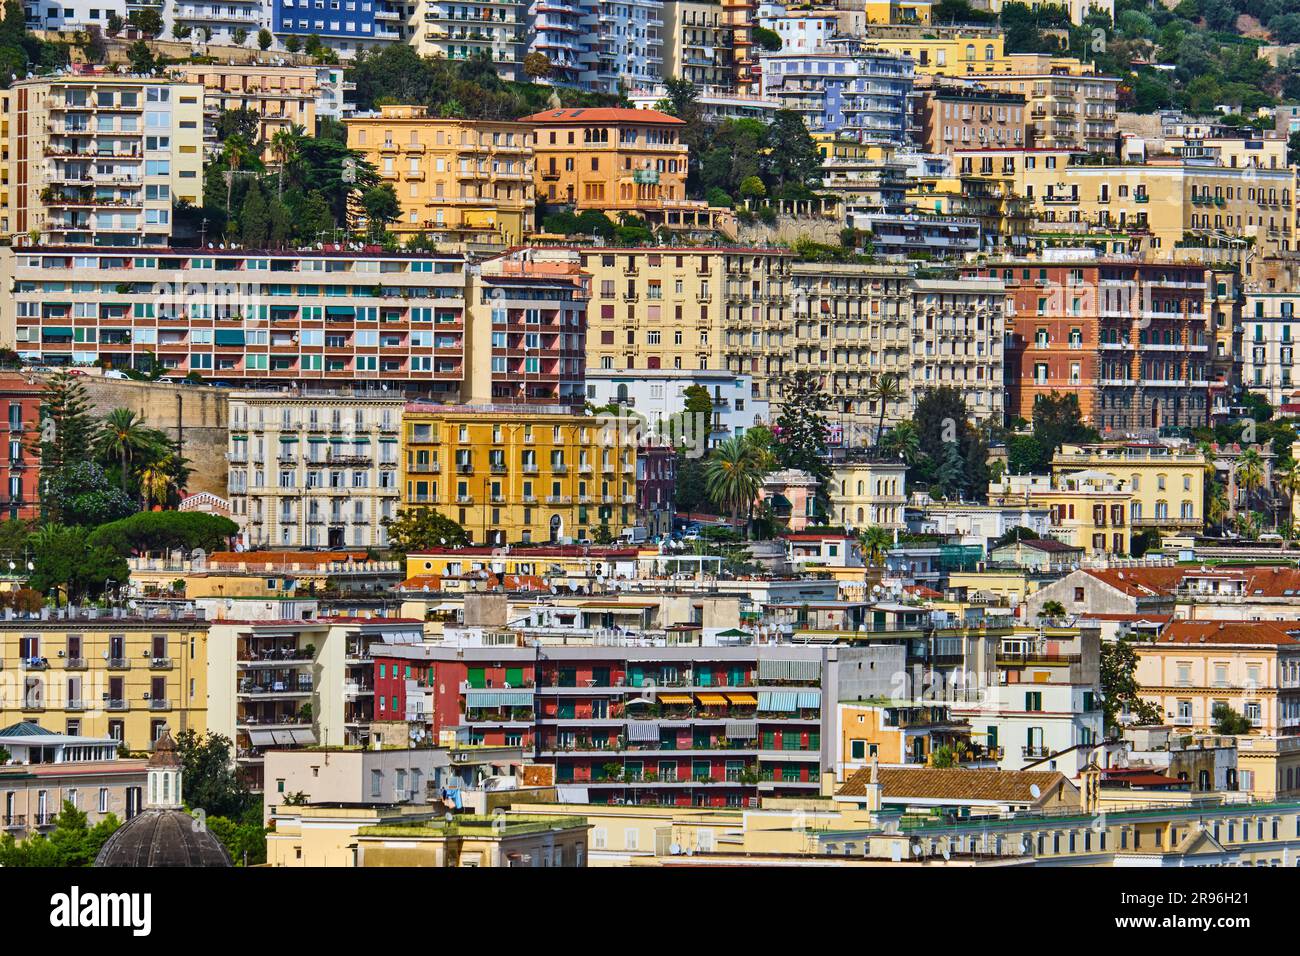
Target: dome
{"type": "Point", "coordinates": [162, 838]}
{"type": "Point", "coordinates": [163, 834]}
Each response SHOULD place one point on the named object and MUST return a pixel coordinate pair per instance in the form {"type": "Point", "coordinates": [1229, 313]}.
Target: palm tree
{"type": "Point", "coordinates": [1289, 484]}
{"type": "Point", "coordinates": [284, 144]}
{"type": "Point", "coordinates": [157, 480]}
{"type": "Point", "coordinates": [1250, 474]}
{"type": "Point", "coordinates": [1217, 509]}
{"type": "Point", "coordinates": [904, 440]}
{"type": "Point", "coordinates": [886, 390]}
{"type": "Point", "coordinates": [234, 153]}
{"type": "Point", "coordinates": [733, 474]}
{"type": "Point", "coordinates": [875, 542]}
{"type": "Point", "coordinates": [122, 436]}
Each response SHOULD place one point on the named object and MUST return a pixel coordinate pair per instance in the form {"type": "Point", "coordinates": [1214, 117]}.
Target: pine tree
{"type": "Point", "coordinates": [254, 219]}
{"type": "Point", "coordinates": [67, 432]}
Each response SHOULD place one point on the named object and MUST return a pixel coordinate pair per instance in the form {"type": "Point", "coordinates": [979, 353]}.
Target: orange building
{"type": "Point", "coordinates": [618, 161]}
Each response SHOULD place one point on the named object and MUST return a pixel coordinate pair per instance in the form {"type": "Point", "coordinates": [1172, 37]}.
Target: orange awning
{"type": "Point", "coordinates": [748, 700]}
{"type": "Point", "coordinates": [674, 699]}
{"type": "Point", "coordinates": [712, 700]}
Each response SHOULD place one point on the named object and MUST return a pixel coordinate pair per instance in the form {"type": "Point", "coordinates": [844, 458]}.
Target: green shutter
{"type": "Point", "coordinates": [477, 679]}
{"type": "Point", "coordinates": [515, 676]}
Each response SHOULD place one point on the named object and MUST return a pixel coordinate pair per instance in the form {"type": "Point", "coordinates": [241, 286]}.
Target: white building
{"type": "Point", "coordinates": [657, 394]}
{"type": "Point", "coordinates": [57, 15]}
{"type": "Point", "coordinates": [217, 22]}
{"type": "Point", "coordinates": [314, 469]}
{"type": "Point", "coordinates": [1272, 326]}
{"type": "Point", "coordinates": [976, 523]}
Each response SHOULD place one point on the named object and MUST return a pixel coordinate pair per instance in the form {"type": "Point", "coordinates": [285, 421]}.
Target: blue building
{"type": "Point", "coordinates": [344, 25]}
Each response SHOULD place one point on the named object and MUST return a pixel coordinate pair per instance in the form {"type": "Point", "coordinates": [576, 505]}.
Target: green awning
{"type": "Point", "coordinates": [340, 310]}
{"type": "Point", "coordinates": [386, 441]}
{"type": "Point", "coordinates": [56, 330]}
{"type": "Point", "coordinates": [498, 698]}
{"type": "Point", "coordinates": [781, 701]}
{"type": "Point", "coordinates": [230, 336]}
{"type": "Point", "coordinates": [318, 441]}
{"type": "Point", "coordinates": [239, 438]}
{"type": "Point", "coordinates": [288, 438]}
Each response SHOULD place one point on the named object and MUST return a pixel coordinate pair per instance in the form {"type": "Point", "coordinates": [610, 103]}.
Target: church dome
{"type": "Point", "coordinates": [163, 834]}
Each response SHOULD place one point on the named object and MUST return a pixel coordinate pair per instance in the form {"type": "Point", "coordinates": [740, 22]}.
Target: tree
{"type": "Point", "coordinates": [692, 492]}
{"type": "Point", "coordinates": [885, 389]}
{"type": "Point", "coordinates": [537, 65]}
{"type": "Point", "coordinates": [766, 39]}
{"type": "Point", "coordinates": [208, 776]}
{"type": "Point", "coordinates": [733, 474]}
{"type": "Point", "coordinates": [902, 440]}
{"type": "Point", "coordinates": [1228, 722]}
{"type": "Point", "coordinates": [602, 535]}
{"type": "Point", "coordinates": [244, 840]}
{"type": "Point", "coordinates": [264, 39]}
{"type": "Point", "coordinates": [82, 494]}
{"type": "Point", "coordinates": [292, 44]}
{"type": "Point", "coordinates": [875, 542]}
{"type": "Point", "coordinates": [751, 188]}
{"type": "Point", "coordinates": [423, 529]}
{"type": "Point", "coordinates": [1119, 688]}
{"type": "Point", "coordinates": [71, 842]}
{"type": "Point", "coordinates": [1250, 474]}
{"type": "Point", "coordinates": [254, 218]}
{"type": "Point", "coordinates": [241, 122]}
{"type": "Point", "coordinates": [240, 36]}
{"type": "Point", "coordinates": [1052, 610]}
{"type": "Point", "coordinates": [65, 562]}
{"type": "Point", "coordinates": [941, 422]}
{"type": "Point", "coordinates": [801, 429]}
{"type": "Point", "coordinates": [284, 144]}
{"type": "Point", "coordinates": [66, 435]}
{"type": "Point", "coordinates": [123, 435]}
{"type": "Point", "coordinates": [1011, 535]}
{"type": "Point", "coordinates": [147, 20]}
{"type": "Point", "coordinates": [381, 207]}
{"type": "Point", "coordinates": [792, 158]}
{"type": "Point", "coordinates": [235, 152]}
{"type": "Point", "coordinates": [1058, 420]}
{"type": "Point", "coordinates": [153, 531]}
{"type": "Point", "coordinates": [115, 24]}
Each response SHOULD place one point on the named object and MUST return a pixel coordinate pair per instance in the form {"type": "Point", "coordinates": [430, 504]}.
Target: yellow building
{"type": "Point", "coordinates": [126, 678]}
{"type": "Point", "coordinates": [512, 839]}
{"type": "Point", "coordinates": [100, 159]}
{"type": "Point", "coordinates": [897, 11]}
{"type": "Point", "coordinates": [1193, 667]}
{"type": "Point", "coordinates": [619, 161]}
{"type": "Point", "coordinates": [894, 732]}
{"type": "Point", "coordinates": [281, 96]}
{"type": "Point", "coordinates": [950, 52]}
{"type": "Point", "coordinates": [1089, 509]}
{"type": "Point", "coordinates": [519, 475]}
{"type": "Point", "coordinates": [1167, 483]}
{"type": "Point", "coordinates": [471, 179]}
{"type": "Point", "coordinates": [869, 492]}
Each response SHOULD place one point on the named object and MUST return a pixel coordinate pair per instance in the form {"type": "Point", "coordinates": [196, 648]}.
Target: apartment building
{"type": "Point", "coordinates": [454, 30]}
{"type": "Point", "coordinates": [282, 96]}
{"type": "Point", "coordinates": [1131, 340]}
{"type": "Point", "coordinates": [741, 16]}
{"type": "Point", "coordinates": [1079, 10]}
{"type": "Point", "coordinates": [970, 117]}
{"type": "Point", "coordinates": [698, 44]}
{"type": "Point", "coordinates": [622, 44]}
{"type": "Point", "coordinates": [313, 469]}
{"type": "Point", "coordinates": [330, 315]}
{"type": "Point", "coordinates": [1167, 481]}
{"type": "Point", "coordinates": [218, 21]}
{"type": "Point", "coordinates": [20, 470]}
{"type": "Point", "coordinates": [47, 768]}
{"type": "Point", "coordinates": [869, 492]}
{"type": "Point", "coordinates": [518, 474]}
{"type": "Point", "coordinates": [658, 395]}
{"type": "Point", "coordinates": [1268, 348]}
{"type": "Point", "coordinates": [470, 180]}
{"type": "Point", "coordinates": [1249, 666]}
{"type": "Point", "coordinates": [659, 725]}
{"type": "Point", "coordinates": [691, 307]}
{"type": "Point", "coordinates": [618, 161]}
{"type": "Point", "coordinates": [959, 51]}
{"type": "Point", "coordinates": [1088, 509]}
{"type": "Point", "coordinates": [104, 674]}
{"type": "Point", "coordinates": [846, 88]}
{"type": "Point", "coordinates": [100, 159]}
{"type": "Point", "coordinates": [296, 683]}
{"type": "Point", "coordinates": [555, 29]}
{"type": "Point", "coordinates": [1070, 106]}
{"type": "Point", "coordinates": [346, 30]}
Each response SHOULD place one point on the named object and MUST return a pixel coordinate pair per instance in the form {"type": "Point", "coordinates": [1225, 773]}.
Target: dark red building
{"type": "Point", "coordinates": [20, 469]}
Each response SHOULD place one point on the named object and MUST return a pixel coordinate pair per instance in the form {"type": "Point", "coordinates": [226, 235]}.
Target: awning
{"type": "Point", "coordinates": [318, 441]}
{"type": "Point", "coordinates": [747, 700]}
{"type": "Point", "coordinates": [288, 438]}
{"type": "Point", "coordinates": [712, 700]}
{"type": "Point", "coordinates": [810, 698]}
{"type": "Point", "coordinates": [340, 310]}
{"type": "Point", "coordinates": [674, 698]}
{"type": "Point", "coordinates": [772, 669]}
{"type": "Point", "coordinates": [239, 438]}
{"type": "Point", "coordinates": [498, 698]}
{"type": "Point", "coordinates": [284, 737]}
{"type": "Point", "coordinates": [230, 336]}
{"type": "Point", "coordinates": [783, 701]}
{"type": "Point", "coordinates": [571, 795]}
{"type": "Point", "coordinates": [740, 729]}
{"type": "Point", "coordinates": [305, 738]}
{"type": "Point", "coordinates": [643, 730]}
{"type": "Point", "coordinates": [261, 738]}
{"type": "Point", "coordinates": [56, 330]}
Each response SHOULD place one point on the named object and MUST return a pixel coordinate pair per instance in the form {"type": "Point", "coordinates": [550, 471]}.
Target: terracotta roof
{"type": "Point", "coordinates": [603, 114]}
{"type": "Point", "coordinates": [1229, 632]}
{"type": "Point", "coordinates": [1258, 581]}
{"type": "Point", "coordinates": [1044, 544]}
{"type": "Point", "coordinates": [281, 558]}
{"type": "Point", "coordinates": [920, 590]}
{"type": "Point", "coordinates": [929, 783]}
{"type": "Point", "coordinates": [1149, 618]}
{"type": "Point", "coordinates": [1141, 582]}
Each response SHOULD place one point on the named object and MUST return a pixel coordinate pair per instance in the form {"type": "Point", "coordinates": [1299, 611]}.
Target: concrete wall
{"type": "Point", "coordinates": [197, 412]}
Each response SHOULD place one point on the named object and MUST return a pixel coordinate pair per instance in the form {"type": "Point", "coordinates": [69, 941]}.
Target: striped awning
{"type": "Point", "coordinates": [740, 729]}
{"type": "Point", "coordinates": [769, 669]}
{"type": "Point", "coordinates": [778, 700]}
{"type": "Point", "coordinates": [712, 700]}
{"type": "Point", "coordinates": [304, 738]}
{"type": "Point", "coordinates": [674, 698]}
{"type": "Point", "coordinates": [498, 698]}
{"type": "Point", "coordinates": [261, 738]}
{"type": "Point", "coordinates": [642, 730]}
{"type": "Point", "coordinates": [743, 700]}
{"type": "Point", "coordinates": [810, 698]}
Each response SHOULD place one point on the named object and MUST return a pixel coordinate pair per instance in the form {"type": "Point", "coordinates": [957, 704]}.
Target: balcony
{"type": "Point", "coordinates": [35, 664]}
{"type": "Point", "coordinates": [1034, 752]}
{"type": "Point", "coordinates": [119, 664]}
{"type": "Point", "coordinates": [115, 704]}
{"type": "Point", "coordinates": [160, 703]}
{"type": "Point", "coordinates": [160, 663]}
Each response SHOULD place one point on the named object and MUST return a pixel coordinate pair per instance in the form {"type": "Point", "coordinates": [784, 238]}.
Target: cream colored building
{"type": "Point", "coordinates": [100, 159]}
{"type": "Point", "coordinates": [869, 492]}
{"type": "Point", "coordinates": [1079, 9]}
{"type": "Point", "coordinates": [471, 180]}
{"type": "Point", "coordinates": [282, 97]}
{"type": "Point", "coordinates": [1089, 509]}
{"type": "Point", "coordinates": [697, 43]}
{"type": "Point", "coordinates": [1271, 323]}
{"type": "Point", "coordinates": [314, 469]}
{"type": "Point", "coordinates": [1167, 482]}
{"type": "Point", "coordinates": [690, 307]}
{"type": "Point", "coordinates": [1070, 106]}
{"type": "Point", "coordinates": [454, 31]}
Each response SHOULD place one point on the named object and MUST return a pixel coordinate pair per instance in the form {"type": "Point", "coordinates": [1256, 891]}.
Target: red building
{"type": "Point", "coordinates": [20, 470]}
{"type": "Point", "coordinates": [656, 488]}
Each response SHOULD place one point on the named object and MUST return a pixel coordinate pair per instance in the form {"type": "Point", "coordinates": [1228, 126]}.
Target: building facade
{"type": "Point", "coordinates": [20, 470]}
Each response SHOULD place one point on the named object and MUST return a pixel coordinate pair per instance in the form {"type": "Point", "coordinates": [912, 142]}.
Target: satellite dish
{"type": "Point", "coordinates": [916, 849]}
{"type": "Point", "coordinates": [1034, 791]}
{"type": "Point", "coordinates": [675, 849]}
{"type": "Point", "coordinates": [946, 854]}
